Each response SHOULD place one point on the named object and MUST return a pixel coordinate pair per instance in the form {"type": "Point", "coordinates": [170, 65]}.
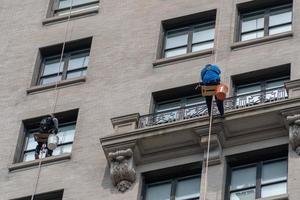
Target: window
{"type": "Point", "coordinates": [263, 91]}
{"type": "Point", "coordinates": [54, 195]}
{"type": "Point", "coordinates": [67, 125]}
{"type": "Point", "coordinates": [259, 180]}
{"type": "Point", "coordinates": [189, 39]}
{"type": "Point", "coordinates": [62, 7]}
{"type": "Point", "coordinates": [166, 184]}
{"type": "Point", "coordinates": [172, 104]}
{"type": "Point", "coordinates": [74, 62]}
{"type": "Point", "coordinates": [268, 21]}
{"type": "Point", "coordinates": [188, 34]}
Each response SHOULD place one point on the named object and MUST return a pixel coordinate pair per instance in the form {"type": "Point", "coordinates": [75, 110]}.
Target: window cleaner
{"type": "Point", "coordinates": [211, 86]}
{"type": "Point", "coordinates": [47, 136]}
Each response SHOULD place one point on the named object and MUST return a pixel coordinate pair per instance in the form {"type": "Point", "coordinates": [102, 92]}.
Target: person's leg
{"type": "Point", "coordinates": [37, 150]}
{"type": "Point", "coordinates": [208, 100]}
{"type": "Point", "coordinates": [49, 152]}
{"type": "Point", "coordinates": [220, 106]}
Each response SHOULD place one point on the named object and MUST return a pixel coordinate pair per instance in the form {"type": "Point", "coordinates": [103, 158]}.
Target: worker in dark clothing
{"type": "Point", "coordinates": [210, 75]}
{"type": "Point", "coordinates": [48, 125]}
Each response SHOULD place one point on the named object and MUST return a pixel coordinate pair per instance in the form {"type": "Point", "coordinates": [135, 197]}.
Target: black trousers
{"type": "Point", "coordinates": [220, 105]}
{"type": "Point", "coordinates": [39, 147]}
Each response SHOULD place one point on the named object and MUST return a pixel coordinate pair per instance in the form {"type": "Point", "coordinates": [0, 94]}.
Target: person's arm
{"type": "Point", "coordinates": [55, 122]}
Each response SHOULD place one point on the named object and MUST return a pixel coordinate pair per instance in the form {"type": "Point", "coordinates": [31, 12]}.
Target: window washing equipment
{"type": "Point", "coordinates": [52, 141]}
{"type": "Point", "coordinates": [219, 91]}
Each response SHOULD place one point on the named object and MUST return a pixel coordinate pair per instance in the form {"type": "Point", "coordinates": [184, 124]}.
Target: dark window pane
{"type": "Point", "coordinates": [280, 17]}
{"type": "Point", "coordinates": [159, 192]}
{"type": "Point", "coordinates": [243, 195]}
{"type": "Point", "coordinates": [176, 38]}
{"type": "Point", "coordinates": [52, 67]}
{"type": "Point", "coordinates": [188, 188]}
{"type": "Point", "coordinates": [280, 29]}
{"type": "Point", "coordinates": [50, 79]}
{"type": "Point", "coordinates": [76, 74]}
{"type": "Point", "coordinates": [67, 3]}
{"type": "Point", "coordinates": [252, 35]}
{"type": "Point", "coordinates": [252, 23]}
{"type": "Point", "coordinates": [243, 178]}
{"type": "Point", "coordinates": [274, 189]}
{"type": "Point", "coordinates": [78, 61]}
{"type": "Point", "coordinates": [203, 34]}
{"type": "Point", "coordinates": [202, 46]}
{"type": "Point", "coordinates": [273, 172]}
{"type": "Point", "coordinates": [175, 52]}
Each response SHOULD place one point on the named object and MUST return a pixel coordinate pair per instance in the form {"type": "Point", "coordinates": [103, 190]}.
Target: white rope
{"type": "Point", "coordinates": [56, 96]}
{"type": "Point", "coordinates": [208, 150]}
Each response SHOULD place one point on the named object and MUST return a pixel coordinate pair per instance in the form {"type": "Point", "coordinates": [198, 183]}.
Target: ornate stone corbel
{"type": "Point", "coordinates": [294, 132]}
{"type": "Point", "coordinates": [122, 169]}
{"type": "Point", "coordinates": [215, 150]}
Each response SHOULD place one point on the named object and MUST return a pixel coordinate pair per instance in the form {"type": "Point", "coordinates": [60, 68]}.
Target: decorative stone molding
{"type": "Point", "coordinates": [125, 123]}
{"type": "Point", "coordinates": [215, 150]}
{"type": "Point", "coordinates": [122, 169]}
{"type": "Point", "coordinates": [294, 132]}
{"type": "Point", "coordinates": [293, 88]}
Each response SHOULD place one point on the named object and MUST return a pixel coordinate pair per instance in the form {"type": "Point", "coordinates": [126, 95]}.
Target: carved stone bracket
{"type": "Point", "coordinates": [122, 169]}
{"type": "Point", "coordinates": [294, 132]}
{"type": "Point", "coordinates": [215, 150]}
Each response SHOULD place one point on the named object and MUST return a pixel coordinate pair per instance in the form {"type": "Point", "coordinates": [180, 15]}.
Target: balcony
{"type": "Point", "coordinates": [199, 110]}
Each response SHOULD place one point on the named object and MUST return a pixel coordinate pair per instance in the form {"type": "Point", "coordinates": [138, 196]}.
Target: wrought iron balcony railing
{"type": "Point", "coordinates": [200, 109]}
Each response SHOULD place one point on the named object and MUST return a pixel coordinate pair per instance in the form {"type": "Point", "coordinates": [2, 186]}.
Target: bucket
{"type": "Point", "coordinates": [52, 141]}
{"type": "Point", "coordinates": [221, 91]}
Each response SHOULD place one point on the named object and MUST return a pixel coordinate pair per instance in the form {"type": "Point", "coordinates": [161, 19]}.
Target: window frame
{"type": "Point", "coordinates": [266, 15]}
{"type": "Point", "coordinates": [55, 6]}
{"type": "Point", "coordinates": [65, 60]}
{"type": "Point", "coordinates": [258, 184]}
{"type": "Point", "coordinates": [31, 131]}
{"type": "Point", "coordinates": [173, 182]}
{"type": "Point", "coordinates": [190, 29]}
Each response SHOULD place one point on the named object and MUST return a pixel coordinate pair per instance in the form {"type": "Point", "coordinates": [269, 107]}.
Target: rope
{"type": "Point", "coordinates": [61, 58]}
{"type": "Point", "coordinates": [208, 150]}
{"type": "Point", "coordinates": [56, 96]}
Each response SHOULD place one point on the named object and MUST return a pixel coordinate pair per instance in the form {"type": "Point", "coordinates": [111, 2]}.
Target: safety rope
{"type": "Point", "coordinates": [56, 95]}
{"type": "Point", "coordinates": [211, 109]}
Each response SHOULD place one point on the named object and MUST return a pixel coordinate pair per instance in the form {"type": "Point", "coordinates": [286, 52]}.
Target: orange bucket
{"type": "Point", "coordinates": [221, 91]}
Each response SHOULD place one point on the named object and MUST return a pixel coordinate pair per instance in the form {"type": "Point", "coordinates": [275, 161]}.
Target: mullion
{"type": "Point", "coordinates": [51, 75]}
{"type": "Point", "coordinates": [66, 64]}
{"type": "Point", "coordinates": [278, 25]}
{"type": "Point", "coordinates": [185, 45]}
{"type": "Point", "coordinates": [242, 189]}
{"type": "Point", "coordinates": [266, 22]}
{"type": "Point", "coordinates": [274, 183]}
{"type": "Point", "coordinates": [190, 40]}
{"type": "Point", "coordinates": [258, 180]}
{"type": "Point", "coordinates": [77, 69]}
{"type": "Point", "coordinates": [173, 189]}
{"type": "Point", "coordinates": [252, 31]}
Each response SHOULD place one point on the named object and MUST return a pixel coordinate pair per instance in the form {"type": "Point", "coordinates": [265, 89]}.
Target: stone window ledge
{"type": "Point", "coordinates": [83, 13]}
{"type": "Point", "coordinates": [250, 43]}
{"type": "Point", "coordinates": [277, 197]}
{"type": "Point", "coordinates": [68, 82]}
{"type": "Point", "coordinates": [34, 163]}
{"type": "Point", "coordinates": [165, 61]}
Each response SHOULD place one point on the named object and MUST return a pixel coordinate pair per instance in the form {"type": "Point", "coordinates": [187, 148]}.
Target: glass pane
{"type": "Point", "coordinates": [243, 195]}
{"type": "Point", "coordinates": [175, 52]}
{"type": "Point", "coordinates": [252, 23]}
{"type": "Point", "coordinates": [273, 172]}
{"type": "Point", "coordinates": [202, 46]}
{"type": "Point", "coordinates": [243, 178]}
{"type": "Point", "coordinates": [67, 3]}
{"type": "Point", "coordinates": [76, 74]}
{"type": "Point", "coordinates": [248, 89]}
{"type": "Point", "coordinates": [280, 18]}
{"type": "Point", "coordinates": [159, 192]}
{"type": "Point", "coordinates": [188, 188]}
{"type": "Point", "coordinates": [78, 62]}
{"type": "Point", "coordinates": [176, 39]}
{"type": "Point", "coordinates": [31, 143]}
{"type": "Point", "coordinates": [275, 84]}
{"type": "Point", "coordinates": [66, 134]}
{"type": "Point", "coordinates": [168, 106]}
{"type": "Point", "coordinates": [52, 66]}
{"type": "Point", "coordinates": [29, 156]}
{"type": "Point", "coordinates": [194, 101]}
{"type": "Point", "coordinates": [280, 29]}
{"type": "Point", "coordinates": [253, 35]}
{"type": "Point", "coordinates": [62, 149]}
{"type": "Point", "coordinates": [201, 35]}
{"type": "Point", "coordinates": [272, 190]}
{"type": "Point", "coordinates": [51, 79]}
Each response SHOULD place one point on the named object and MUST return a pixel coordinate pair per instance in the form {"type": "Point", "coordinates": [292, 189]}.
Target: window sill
{"type": "Point", "coordinates": [39, 88]}
{"type": "Point", "coordinates": [165, 61]}
{"type": "Point", "coordinates": [33, 163]}
{"type": "Point", "coordinates": [277, 197]}
{"type": "Point", "coordinates": [58, 19]}
{"type": "Point", "coordinates": [254, 42]}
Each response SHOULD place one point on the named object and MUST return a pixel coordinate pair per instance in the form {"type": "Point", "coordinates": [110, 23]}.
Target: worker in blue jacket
{"type": "Point", "coordinates": [210, 75]}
